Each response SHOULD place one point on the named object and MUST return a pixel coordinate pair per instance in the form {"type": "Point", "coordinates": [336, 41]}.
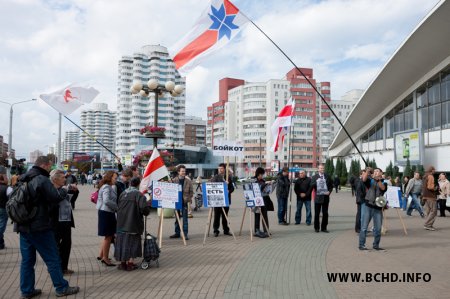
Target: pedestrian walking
{"type": "Point", "coordinates": [444, 193]}
{"type": "Point", "coordinates": [429, 189]}
{"type": "Point", "coordinates": [414, 188]}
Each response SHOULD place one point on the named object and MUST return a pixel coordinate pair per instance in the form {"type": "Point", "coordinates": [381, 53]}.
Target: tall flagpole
{"type": "Point", "coordinates": [312, 85]}
{"type": "Point", "coordinates": [289, 163]}
{"type": "Point", "coordinates": [58, 164]}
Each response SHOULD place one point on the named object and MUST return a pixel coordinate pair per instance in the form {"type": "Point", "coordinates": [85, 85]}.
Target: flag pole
{"type": "Point", "coordinates": [92, 137]}
{"type": "Point", "coordinates": [312, 85]}
{"type": "Point", "coordinates": [289, 162]}
{"type": "Point", "coordinates": [58, 164]}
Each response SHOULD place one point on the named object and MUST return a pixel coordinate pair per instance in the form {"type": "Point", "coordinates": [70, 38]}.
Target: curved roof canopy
{"type": "Point", "coordinates": [426, 47]}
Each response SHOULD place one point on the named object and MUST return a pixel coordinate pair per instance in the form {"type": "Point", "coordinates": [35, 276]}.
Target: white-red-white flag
{"type": "Point", "coordinates": [281, 124]}
{"type": "Point", "coordinates": [70, 98]}
{"type": "Point", "coordinates": [155, 170]}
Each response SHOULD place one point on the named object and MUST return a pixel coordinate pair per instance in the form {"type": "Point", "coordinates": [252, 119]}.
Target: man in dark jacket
{"type": "Point", "coordinates": [3, 214]}
{"type": "Point", "coordinates": [283, 187]}
{"type": "Point", "coordinates": [218, 212]}
{"type": "Point", "coordinates": [323, 186]}
{"type": "Point", "coordinates": [361, 186]}
{"type": "Point", "coordinates": [37, 235]}
{"type": "Point", "coordinates": [303, 189]}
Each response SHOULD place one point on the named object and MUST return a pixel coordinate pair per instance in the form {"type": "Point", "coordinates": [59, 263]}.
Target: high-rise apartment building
{"type": "Point", "coordinates": [250, 109]}
{"type": "Point", "coordinates": [195, 131]}
{"type": "Point", "coordinates": [71, 143]}
{"type": "Point", "coordinates": [34, 155]}
{"type": "Point", "coordinates": [343, 107]}
{"type": "Point", "coordinates": [100, 123]}
{"type": "Point", "coordinates": [135, 111]}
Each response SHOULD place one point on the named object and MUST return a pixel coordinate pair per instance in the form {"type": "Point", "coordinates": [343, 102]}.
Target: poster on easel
{"type": "Point", "coordinates": [252, 192]}
{"type": "Point", "coordinates": [393, 196]}
{"type": "Point", "coordinates": [215, 194]}
{"type": "Point", "coordinates": [166, 195]}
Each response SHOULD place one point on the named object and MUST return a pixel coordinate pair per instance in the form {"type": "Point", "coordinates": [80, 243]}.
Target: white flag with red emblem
{"type": "Point", "coordinates": [70, 98]}
{"type": "Point", "coordinates": [154, 171]}
{"type": "Point", "coordinates": [281, 124]}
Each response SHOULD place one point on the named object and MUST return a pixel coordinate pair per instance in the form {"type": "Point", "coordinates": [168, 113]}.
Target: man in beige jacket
{"type": "Point", "coordinates": [188, 193]}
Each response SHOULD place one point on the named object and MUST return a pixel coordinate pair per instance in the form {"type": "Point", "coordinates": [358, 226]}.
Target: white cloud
{"type": "Point", "coordinates": [55, 42]}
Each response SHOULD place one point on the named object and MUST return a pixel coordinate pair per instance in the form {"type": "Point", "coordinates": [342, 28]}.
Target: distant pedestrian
{"type": "Point", "coordinates": [352, 182]}
{"type": "Point", "coordinates": [429, 189]}
{"type": "Point", "coordinates": [414, 188]}
{"type": "Point", "coordinates": [3, 215]}
{"type": "Point", "coordinates": [199, 184]}
{"type": "Point", "coordinates": [322, 184]}
{"type": "Point", "coordinates": [38, 235]}
{"type": "Point", "coordinates": [405, 198]}
{"type": "Point", "coordinates": [444, 193]}
{"type": "Point", "coordinates": [336, 183]}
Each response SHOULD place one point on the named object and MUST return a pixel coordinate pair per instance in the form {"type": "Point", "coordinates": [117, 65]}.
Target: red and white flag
{"type": "Point", "coordinates": [70, 98]}
{"type": "Point", "coordinates": [154, 171]}
{"type": "Point", "coordinates": [217, 25]}
{"type": "Point", "coordinates": [281, 125]}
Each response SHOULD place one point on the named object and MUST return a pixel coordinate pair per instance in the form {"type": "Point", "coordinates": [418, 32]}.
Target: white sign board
{"type": "Point", "coordinates": [393, 195]}
{"type": "Point", "coordinates": [165, 192]}
{"type": "Point", "coordinates": [227, 148]}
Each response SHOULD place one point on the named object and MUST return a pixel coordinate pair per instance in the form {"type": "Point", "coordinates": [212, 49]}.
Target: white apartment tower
{"type": "Point", "coordinates": [135, 111]}
{"type": "Point", "coordinates": [71, 143]}
{"type": "Point", "coordinates": [100, 123]}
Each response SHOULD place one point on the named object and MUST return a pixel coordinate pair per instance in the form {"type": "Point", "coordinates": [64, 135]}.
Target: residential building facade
{"type": "Point", "coordinates": [71, 144]}
{"type": "Point", "coordinates": [135, 111]}
{"type": "Point", "coordinates": [195, 131]}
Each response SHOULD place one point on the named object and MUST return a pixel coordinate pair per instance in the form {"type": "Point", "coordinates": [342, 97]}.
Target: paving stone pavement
{"type": "Point", "coordinates": [292, 264]}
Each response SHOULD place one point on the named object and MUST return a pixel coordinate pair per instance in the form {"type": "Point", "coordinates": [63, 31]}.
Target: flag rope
{"type": "Point", "coordinates": [312, 85]}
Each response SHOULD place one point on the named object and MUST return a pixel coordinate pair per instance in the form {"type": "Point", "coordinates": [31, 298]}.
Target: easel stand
{"type": "Point", "coordinates": [250, 223]}
{"type": "Point", "coordinates": [160, 227]}
{"type": "Point", "coordinates": [208, 225]}
{"type": "Point", "coordinates": [384, 226]}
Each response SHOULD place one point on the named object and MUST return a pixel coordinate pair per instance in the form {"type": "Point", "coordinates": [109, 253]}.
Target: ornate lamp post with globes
{"type": "Point", "coordinates": [153, 86]}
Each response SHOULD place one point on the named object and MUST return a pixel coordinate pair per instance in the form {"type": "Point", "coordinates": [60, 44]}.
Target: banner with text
{"type": "Point", "coordinates": [167, 195]}
{"type": "Point", "coordinates": [215, 195]}
{"type": "Point", "coordinates": [226, 148]}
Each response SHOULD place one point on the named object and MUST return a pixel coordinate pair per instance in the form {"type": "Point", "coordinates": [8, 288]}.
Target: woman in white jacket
{"type": "Point", "coordinates": [107, 207]}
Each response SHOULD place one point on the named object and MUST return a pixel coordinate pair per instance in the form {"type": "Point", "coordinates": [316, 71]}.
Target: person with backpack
{"type": "Point", "coordinates": [37, 233]}
{"type": "Point", "coordinates": [3, 215]}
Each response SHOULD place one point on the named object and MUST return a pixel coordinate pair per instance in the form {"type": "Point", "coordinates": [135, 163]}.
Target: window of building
{"type": "Point", "coordinates": [433, 92]}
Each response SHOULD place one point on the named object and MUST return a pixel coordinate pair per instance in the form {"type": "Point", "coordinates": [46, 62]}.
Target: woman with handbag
{"type": "Point", "coordinates": [268, 205]}
{"type": "Point", "coordinates": [107, 207]}
{"type": "Point", "coordinates": [444, 194]}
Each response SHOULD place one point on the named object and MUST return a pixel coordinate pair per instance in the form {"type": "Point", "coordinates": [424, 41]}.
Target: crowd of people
{"type": "Point", "coordinates": [122, 208]}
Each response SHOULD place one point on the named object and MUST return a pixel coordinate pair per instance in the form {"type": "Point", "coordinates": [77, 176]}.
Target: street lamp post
{"type": "Point", "coordinates": [11, 105]}
{"type": "Point", "coordinates": [153, 86]}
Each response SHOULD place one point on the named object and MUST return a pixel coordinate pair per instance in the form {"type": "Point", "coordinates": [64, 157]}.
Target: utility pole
{"type": "Point", "coordinates": [260, 152]}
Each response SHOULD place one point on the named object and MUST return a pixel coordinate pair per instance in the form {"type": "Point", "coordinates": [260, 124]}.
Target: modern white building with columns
{"type": "Point", "coordinates": [411, 92]}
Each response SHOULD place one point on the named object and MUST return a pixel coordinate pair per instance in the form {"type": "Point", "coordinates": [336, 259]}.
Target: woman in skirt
{"type": "Point", "coordinates": [130, 225]}
{"type": "Point", "coordinates": [107, 207]}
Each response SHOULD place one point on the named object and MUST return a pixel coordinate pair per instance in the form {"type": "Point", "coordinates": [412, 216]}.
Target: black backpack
{"type": "Point", "coordinates": [20, 205]}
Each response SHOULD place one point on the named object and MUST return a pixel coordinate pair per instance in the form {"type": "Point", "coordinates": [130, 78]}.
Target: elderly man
{"type": "Point", "coordinates": [62, 219]}
{"type": "Point", "coordinates": [303, 189]}
{"type": "Point", "coordinates": [323, 186]}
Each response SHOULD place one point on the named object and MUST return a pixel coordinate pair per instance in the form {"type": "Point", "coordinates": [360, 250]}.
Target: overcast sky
{"type": "Point", "coordinates": [47, 44]}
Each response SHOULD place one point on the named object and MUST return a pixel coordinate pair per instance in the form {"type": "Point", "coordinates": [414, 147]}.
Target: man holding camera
{"type": "Point", "coordinates": [375, 188]}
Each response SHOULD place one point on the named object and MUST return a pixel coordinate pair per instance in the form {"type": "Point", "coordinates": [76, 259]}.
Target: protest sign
{"type": "Point", "coordinates": [215, 195]}
{"type": "Point", "coordinates": [226, 148]}
{"type": "Point", "coordinates": [393, 196]}
{"type": "Point", "coordinates": [166, 195]}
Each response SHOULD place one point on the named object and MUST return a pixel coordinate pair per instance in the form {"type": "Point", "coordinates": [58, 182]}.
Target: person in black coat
{"type": "Point", "coordinates": [283, 187]}
{"type": "Point", "coordinates": [360, 191]}
{"type": "Point", "coordinates": [218, 212]}
{"type": "Point", "coordinates": [336, 182]}
{"type": "Point", "coordinates": [322, 184]}
{"type": "Point", "coordinates": [303, 190]}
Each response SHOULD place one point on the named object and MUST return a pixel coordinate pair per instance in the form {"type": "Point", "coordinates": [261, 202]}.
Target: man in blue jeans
{"type": "Point", "coordinates": [303, 190]}
{"type": "Point", "coordinates": [283, 187]}
{"type": "Point", "coordinates": [188, 192]}
{"type": "Point", "coordinates": [37, 235]}
{"type": "Point", "coordinates": [414, 188]}
{"type": "Point", "coordinates": [375, 188]}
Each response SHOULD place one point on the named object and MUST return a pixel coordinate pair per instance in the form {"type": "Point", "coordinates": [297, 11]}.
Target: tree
{"type": "Point", "coordinates": [413, 169]}
{"type": "Point", "coordinates": [389, 170]}
{"type": "Point", "coordinates": [420, 169]}
{"type": "Point", "coordinates": [328, 166]}
{"type": "Point", "coordinates": [407, 170]}
{"type": "Point", "coordinates": [344, 174]}
{"type": "Point", "coordinates": [395, 172]}
{"type": "Point", "coordinates": [337, 171]}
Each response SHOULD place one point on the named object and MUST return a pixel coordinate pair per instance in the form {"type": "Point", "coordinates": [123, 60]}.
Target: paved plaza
{"type": "Point", "coordinates": [292, 264]}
